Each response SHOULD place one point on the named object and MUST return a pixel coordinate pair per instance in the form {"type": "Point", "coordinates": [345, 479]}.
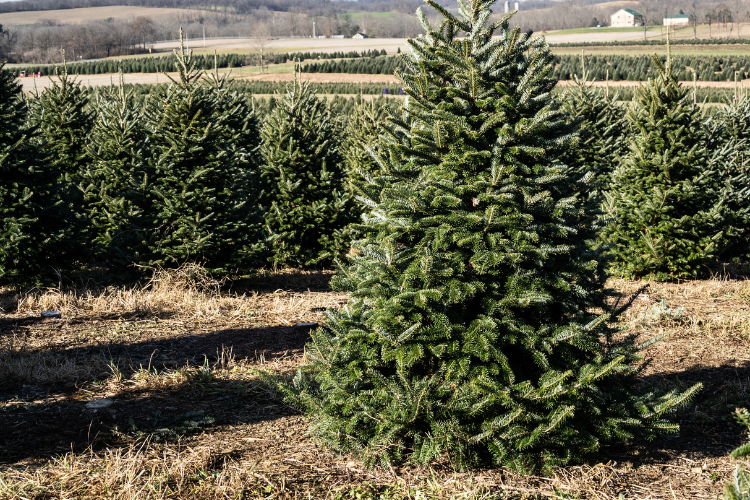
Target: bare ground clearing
{"type": "Point", "coordinates": [88, 14]}
{"type": "Point", "coordinates": [156, 393]}
{"type": "Point", "coordinates": [250, 74]}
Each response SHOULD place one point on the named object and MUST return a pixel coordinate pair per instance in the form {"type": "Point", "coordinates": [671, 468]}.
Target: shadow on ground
{"type": "Point", "coordinates": [47, 421]}
{"type": "Point", "coordinates": [41, 426]}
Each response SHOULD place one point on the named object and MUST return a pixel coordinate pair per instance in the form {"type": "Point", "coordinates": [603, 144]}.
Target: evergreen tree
{"type": "Point", "coordinates": [667, 198]}
{"type": "Point", "coordinates": [62, 119]}
{"type": "Point", "coordinates": [729, 139]}
{"type": "Point", "coordinates": [118, 180]}
{"type": "Point", "coordinates": [471, 330]}
{"type": "Point", "coordinates": [739, 487]}
{"type": "Point", "coordinates": [60, 114]}
{"type": "Point", "coordinates": [305, 194]}
{"type": "Point", "coordinates": [205, 201]}
{"type": "Point", "coordinates": [361, 130]}
{"type": "Point", "coordinates": [31, 220]}
{"type": "Point", "coordinates": [599, 121]}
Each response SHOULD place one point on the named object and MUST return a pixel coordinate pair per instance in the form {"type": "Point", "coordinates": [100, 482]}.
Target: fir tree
{"type": "Point", "coordinates": [739, 487]}
{"type": "Point", "coordinates": [118, 180]}
{"type": "Point", "coordinates": [667, 198]}
{"type": "Point", "coordinates": [471, 328]}
{"type": "Point", "coordinates": [599, 121]}
{"type": "Point", "coordinates": [729, 139]}
{"type": "Point", "coordinates": [308, 206]}
{"type": "Point", "coordinates": [205, 201]}
{"type": "Point", "coordinates": [31, 217]}
{"type": "Point", "coordinates": [361, 130]}
{"type": "Point", "coordinates": [60, 114]}
{"type": "Point", "coordinates": [62, 119]}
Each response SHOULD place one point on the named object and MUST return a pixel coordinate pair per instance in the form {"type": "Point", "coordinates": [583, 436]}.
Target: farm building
{"type": "Point", "coordinates": [360, 36]}
{"type": "Point", "coordinates": [625, 18]}
{"type": "Point", "coordinates": [677, 19]}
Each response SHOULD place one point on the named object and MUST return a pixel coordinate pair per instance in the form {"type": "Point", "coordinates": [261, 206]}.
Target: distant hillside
{"type": "Point", "coordinates": [319, 7]}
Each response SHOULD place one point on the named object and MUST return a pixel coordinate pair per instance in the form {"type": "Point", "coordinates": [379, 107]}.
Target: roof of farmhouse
{"type": "Point", "coordinates": [631, 11]}
{"type": "Point", "coordinates": [678, 16]}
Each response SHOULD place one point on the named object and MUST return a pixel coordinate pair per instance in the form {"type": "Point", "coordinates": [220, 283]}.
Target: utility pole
{"type": "Point", "coordinates": [204, 37]}
{"type": "Point", "coordinates": [314, 29]}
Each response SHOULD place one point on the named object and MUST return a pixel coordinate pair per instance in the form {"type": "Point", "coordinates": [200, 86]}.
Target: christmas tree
{"type": "Point", "coordinates": [472, 329]}
{"type": "Point", "coordinates": [729, 138]}
{"type": "Point", "coordinates": [205, 192]}
{"type": "Point", "coordinates": [31, 217]}
{"type": "Point", "coordinates": [360, 133]}
{"type": "Point", "coordinates": [739, 487]}
{"type": "Point", "coordinates": [601, 140]}
{"type": "Point", "coordinates": [667, 198]}
{"type": "Point", "coordinates": [118, 182]}
{"type": "Point", "coordinates": [61, 116]}
{"type": "Point", "coordinates": [308, 206]}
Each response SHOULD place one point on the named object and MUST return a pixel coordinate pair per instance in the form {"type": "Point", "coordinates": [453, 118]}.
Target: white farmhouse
{"type": "Point", "coordinates": [360, 36]}
{"type": "Point", "coordinates": [677, 19]}
{"type": "Point", "coordinates": [625, 18]}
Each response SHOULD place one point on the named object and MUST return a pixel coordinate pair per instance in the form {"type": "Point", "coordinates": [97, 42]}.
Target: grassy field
{"type": "Point", "coordinates": [89, 14]}
{"type": "Point", "coordinates": [580, 31]}
{"type": "Point", "coordinates": [157, 392]}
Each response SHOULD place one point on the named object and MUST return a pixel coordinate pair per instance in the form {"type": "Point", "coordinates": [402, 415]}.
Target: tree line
{"type": "Point", "coordinates": [206, 62]}
{"type": "Point", "coordinates": [566, 67]}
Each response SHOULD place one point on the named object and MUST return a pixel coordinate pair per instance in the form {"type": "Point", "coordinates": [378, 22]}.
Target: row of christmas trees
{"type": "Point", "coordinates": [189, 174]}
{"type": "Point", "coordinates": [612, 67]}
{"type": "Point", "coordinates": [193, 174]}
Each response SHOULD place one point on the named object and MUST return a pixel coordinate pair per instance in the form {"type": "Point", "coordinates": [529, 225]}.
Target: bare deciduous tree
{"type": "Point", "coordinates": [260, 35]}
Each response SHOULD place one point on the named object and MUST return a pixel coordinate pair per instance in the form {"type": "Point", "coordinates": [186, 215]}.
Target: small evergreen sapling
{"type": "Point", "coordinates": [307, 203]}
{"type": "Point", "coordinates": [471, 330]}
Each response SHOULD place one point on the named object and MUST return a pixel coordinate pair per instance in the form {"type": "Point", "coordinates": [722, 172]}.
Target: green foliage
{"type": "Point", "coordinates": [31, 221]}
{"type": "Point", "coordinates": [471, 329]}
{"type": "Point", "coordinates": [730, 139]}
{"type": "Point", "coordinates": [602, 132]}
{"type": "Point", "coordinates": [308, 205]}
{"type": "Point", "coordinates": [359, 157]}
{"type": "Point", "coordinates": [118, 181]}
{"type": "Point", "coordinates": [61, 118]}
{"type": "Point", "coordinates": [61, 115]}
{"type": "Point", "coordinates": [667, 198]}
{"type": "Point", "coordinates": [739, 487]}
{"type": "Point", "coordinates": [204, 62]}
{"type": "Point", "coordinates": [205, 183]}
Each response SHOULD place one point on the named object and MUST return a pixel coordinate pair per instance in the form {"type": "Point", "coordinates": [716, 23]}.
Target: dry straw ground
{"type": "Point", "coordinates": [158, 392]}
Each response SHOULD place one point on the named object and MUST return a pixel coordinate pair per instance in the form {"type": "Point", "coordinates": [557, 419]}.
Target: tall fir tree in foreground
{"type": "Point", "coordinates": [308, 207]}
{"type": "Point", "coordinates": [31, 220]}
{"type": "Point", "coordinates": [118, 181]}
{"type": "Point", "coordinates": [668, 198]}
{"type": "Point", "coordinates": [471, 331]}
{"type": "Point", "coordinates": [205, 186]}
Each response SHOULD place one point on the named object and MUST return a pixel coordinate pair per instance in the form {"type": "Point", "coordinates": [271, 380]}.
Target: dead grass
{"type": "Point", "coordinates": [180, 361]}
{"type": "Point", "coordinates": [187, 293]}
